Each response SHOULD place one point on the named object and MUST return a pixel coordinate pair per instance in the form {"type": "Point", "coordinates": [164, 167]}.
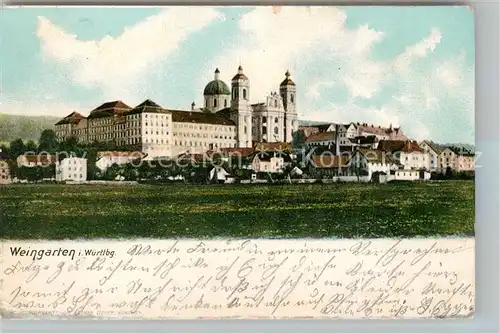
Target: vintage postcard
{"type": "Point", "coordinates": [237, 162]}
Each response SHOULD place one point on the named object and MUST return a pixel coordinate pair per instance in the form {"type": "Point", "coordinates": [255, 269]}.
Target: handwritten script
{"type": "Point", "coordinates": [379, 278]}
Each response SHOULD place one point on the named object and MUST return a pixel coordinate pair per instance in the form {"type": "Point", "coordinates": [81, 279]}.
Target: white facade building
{"type": "Point", "coordinates": [433, 152]}
{"type": "Point", "coordinates": [71, 169]}
{"type": "Point", "coordinates": [108, 159]}
{"type": "Point", "coordinates": [228, 120]}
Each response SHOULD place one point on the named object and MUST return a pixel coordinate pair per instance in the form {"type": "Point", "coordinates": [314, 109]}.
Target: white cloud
{"type": "Point", "coordinates": [418, 50]}
{"type": "Point", "coordinates": [314, 90]}
{"type": "Point", "coordinates": [271, 43]}
{"type": "Point", "coordinates": [119, 65]}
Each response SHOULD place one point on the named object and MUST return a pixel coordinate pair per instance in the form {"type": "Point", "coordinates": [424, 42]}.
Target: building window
{"type": "Point", "coordinates": [225, 103]}
{"type": "Point", "coordinates": [291, 98]}
{"type": "Point", "coordinates": [276, 120]}
{"type": "Point", "coordinates": [244, 94]}
{"type": "Point", "coordinates": [215, 102]}
{"type": "Point", "coordinates": [276, 104]}
{"type": "Point", "coordinates": [245, 130]}
{"type": "Point", "coordinates": [264, 130]}
{"type": "Point", "coordinates": [276, 130]}
{"type": "Point", "coordinates": [264, 119]}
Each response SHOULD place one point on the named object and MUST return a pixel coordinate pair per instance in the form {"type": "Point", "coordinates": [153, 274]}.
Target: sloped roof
{"type": "Point", "coordinates": [266, 156]}
{"type": "Point", "coordinates": [148, 106]}
{"type": "Point", "coordinates": [438, 148]}
{"type": "Point", "coordinates": [323, 127]}
{"type": "Point", "coordinates": [116, 154]}
{"type": "Point", "coordinates": [412, 146]}
{"type": "Point", "coordinates": [182, 116]}
{"type": "Point", "coordinates": [108, 109]}
{"type": "Point", "coordinates": [461, 151]}
{"type": "Point", "coordinates": [265, 147]}
{"type": "Point", "coordinates": [38, 158]}
{"type": "Point", "coordinates": [390, 145]}
{"type": "Point", "coordinates": [73, 118]}
{"type": "Point", "coordinates": [321, 136]}
{"type": "Point", "coordinates": [381, 131]}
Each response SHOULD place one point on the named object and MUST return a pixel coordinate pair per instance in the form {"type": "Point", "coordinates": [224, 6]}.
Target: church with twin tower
{"type": "Point", "coordinates": [227, 119]}
{"type": "Point", "coordinates": [273, 120]}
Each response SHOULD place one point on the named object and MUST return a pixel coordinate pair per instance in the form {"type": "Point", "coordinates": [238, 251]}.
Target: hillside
{"type": "Point", "coordinates": [24, 127]}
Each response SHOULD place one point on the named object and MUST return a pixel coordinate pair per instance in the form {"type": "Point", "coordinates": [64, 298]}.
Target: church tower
{"type": "Point", "coordinates": [241, 109]}
{"type": "Point", "coordinates": [288, 92]}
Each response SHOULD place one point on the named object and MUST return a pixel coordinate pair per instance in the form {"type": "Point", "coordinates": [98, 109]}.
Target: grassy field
{"type": "Point", "coordinates": [333, 210]}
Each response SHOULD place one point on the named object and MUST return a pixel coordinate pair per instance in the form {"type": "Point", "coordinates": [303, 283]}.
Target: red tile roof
{"type": "Point", "coordinates": [381, 131]}
{"type": "Point", "coordinates": [108, 109]}
{"type": "Point", "coordinates": [182, 116]}
{"type": "Point", "coordinates": [412, 146]}
{"type": "Point", "coordinates": [38, 159]}
{"type": "Point", "coordinates": [110, 154]}
{"type": "Point", "coordinates": [321, 136]}
{"type": "Point", "coordinates": [284, 147]}
{"type": "Point", "coordinates": [73, 118]}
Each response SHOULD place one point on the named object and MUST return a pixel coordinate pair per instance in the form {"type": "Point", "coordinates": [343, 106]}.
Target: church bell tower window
{"type": "Point", "coordinates": [244, 94]}
{"type": "Point", "coordinates": [215, 102]}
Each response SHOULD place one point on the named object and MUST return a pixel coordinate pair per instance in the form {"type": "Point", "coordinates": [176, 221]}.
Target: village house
{"type": "Point", "coordinates": [321, 139]}
{"type": "Point", "coordinates": [107, 159]}
{"type": "Point", "coordinates": [31, 160]}
{"type": "Point", "coordinates": [407, 153]}
{"type": "Point", "coordinates": [269, 162]}
{"type": "Point", "coordinates": [408, 175]}
{"type": "Point", "coordinates": [328, 166]}
{"type": "Point", "coordinates": [220, 175]}
{"type": "Point", "coordinates": [433, 151]}
{"type": "Point", "coordinates": [71, 169]}
{"type": "Point", "coordinates": [373, 162]}
{"type": "Point", "coordinates": [458, 159]}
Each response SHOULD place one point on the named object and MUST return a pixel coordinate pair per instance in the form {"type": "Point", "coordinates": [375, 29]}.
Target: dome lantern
{"type": "Point", "coordinates": [287, 81]}
{"type": "Point", "coordinates": [216, 86]}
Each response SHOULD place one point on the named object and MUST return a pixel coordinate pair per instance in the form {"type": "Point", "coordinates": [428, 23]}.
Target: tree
{"type": "Point", "coordinates": [48, 141]}
{"type": "Point", "coordinates": [70, 146]}
{"type": "Point", "coordinates": [31, 147]}
{"type": "Point", "coordinates": [17, 148]}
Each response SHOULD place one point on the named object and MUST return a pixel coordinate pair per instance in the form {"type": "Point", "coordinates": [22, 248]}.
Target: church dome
{"type": "Point", "coordinates": [217, 86]}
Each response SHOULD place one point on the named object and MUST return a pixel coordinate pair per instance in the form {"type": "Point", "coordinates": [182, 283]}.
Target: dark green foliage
{"type": "Point", "coordinates": [16, 148]}
{"type": "Point", "coordinates": [48, 142]}
{"type": "Point", "coordinates": [405, 209]}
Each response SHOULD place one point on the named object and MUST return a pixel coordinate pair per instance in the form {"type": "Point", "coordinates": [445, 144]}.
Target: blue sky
{"type": "Point", "coordinates": [408, 66]}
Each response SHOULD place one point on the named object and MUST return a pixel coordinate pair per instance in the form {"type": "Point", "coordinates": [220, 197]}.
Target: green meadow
{"type": "Point", "coordinates": [343, 210]}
